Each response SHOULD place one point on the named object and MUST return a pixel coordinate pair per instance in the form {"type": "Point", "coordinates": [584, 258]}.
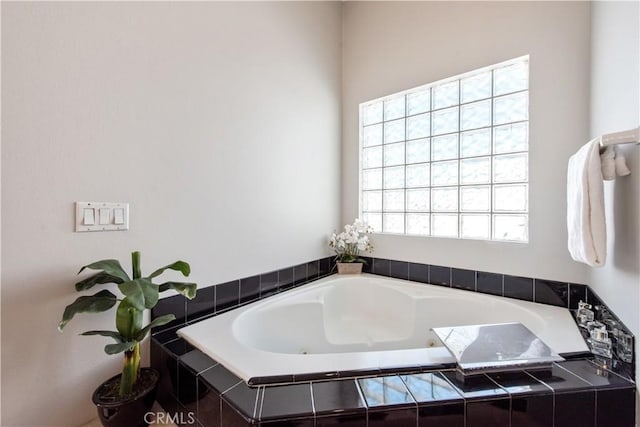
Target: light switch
{"type": "Point", "coordinates": [88, 217]}
{"type": "Point", "coordinates": [105, 216]}
{"type": "Point", "coordinates": [102, 216]}
{"type": "Point", "coordinates": [118, 216]}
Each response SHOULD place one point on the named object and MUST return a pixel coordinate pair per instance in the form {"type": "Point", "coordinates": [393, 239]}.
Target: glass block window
{"type": "Point", "coordinates": [450, 158]}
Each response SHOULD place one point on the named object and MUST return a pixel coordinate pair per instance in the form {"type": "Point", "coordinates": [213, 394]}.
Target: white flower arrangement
{"type": "Point", "coordinates": [348, 244]}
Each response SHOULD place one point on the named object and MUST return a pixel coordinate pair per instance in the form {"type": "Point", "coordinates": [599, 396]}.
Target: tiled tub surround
{"type": "Point", "coordinates": [575, 393]}
{"type": "Point", "coordinates": [361, 322]}
{"type": "Point", "coordinates": [219, 398]}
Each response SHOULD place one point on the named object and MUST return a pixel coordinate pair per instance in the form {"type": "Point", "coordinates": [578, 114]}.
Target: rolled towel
{"type": "Point", "coordinates": [607, 162]}
{"type": "Point", "coordinates": [620, 164]}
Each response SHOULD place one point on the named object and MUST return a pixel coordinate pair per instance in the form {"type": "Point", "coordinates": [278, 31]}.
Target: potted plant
{"type": "Point", "coordinates": [125, 398]}
{"type": "Point", "coordinates": [348, 244]}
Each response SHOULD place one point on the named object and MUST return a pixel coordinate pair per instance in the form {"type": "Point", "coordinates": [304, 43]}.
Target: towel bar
{"type": "Point", "coordinates": [624, 137]}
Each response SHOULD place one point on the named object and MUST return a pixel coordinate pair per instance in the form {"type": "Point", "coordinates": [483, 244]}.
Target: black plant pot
{"type": "Point", "coordinates": [131, 412]}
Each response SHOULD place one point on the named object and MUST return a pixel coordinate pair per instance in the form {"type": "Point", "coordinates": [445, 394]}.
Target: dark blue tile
{"type": "Point", "coordinates": [419, 272]}
{"type": "Point", "coordinates": [167, 364]}
{"type": "Point", "coordinates": [392, 417]}
{"type": "Point", "coordinates": [616, 407]}
{"type": "Point", "coordinates": [288, 422]}
{"type": "Point", "coordinates": [202, 304]}
{"type": "Point", "coordinates": [561, 380]}
{"type": "Point", "coordinates": [489, 283]}
{"type": "Point", "coordinates": [167, 335]}
{"type": "Point", "coordinates": [485, 413]}
{"type": "Point", "coordinates": [312, 270]}
{"type": "Point", "coordinates": [227, 295]}
{"type": "Point", "coordinates": [519, 382]}
{"type": "Point", "coordinates": [299, 274]}
{"type": "Point", "coordinates": [430, 387]}
{"type": "Point", "coordinates": [324, 266]}
{"type": "Point", "coordinates": [286, 401]}
{"type": "Point", "coordinates": [575, 409]}
{"type": "Point", "coordinates": [337, 396]}
{"type": "Point", "coordinates": [577, 293]}
{"type": "Point", "coordinates": [243, 398]}
{"type": "Point", "coordinates": [285, 278]}
{"type": "Point", "coordinates": [518, 287]}
{"type": "Point", "coordinates": [219, 378]}
{"type": "Point", "coordinates": [197, 361]}
{"type": "Point", "coordinates": [187, 390]}
{"type": "Point", "coordinates": [551, 292]}
{"type": "Point", "coordinates": [441, 415]}
{"type": "Point", "coordinates": [592, 298]}
{"type": "Point", "coordinates": [230, 417]}
{"type": "Point", "coordinates": [178, 347]}
{"type": "Point", "coordinates": [532, 410]}
{"type": "Point", "coordinates": [249, 289]}
{"type": "Point", "coordinates": [208, 407]}
{"type": "Point", "coordinates": [367, 266]}
{"type": "Point", "coordinates": [268, 283]}
{"type": "Point", "coordinates": [463, 279]}
{"type": "Point", "coordinates": [595, 375]}
{"type": "Point", "coordinates": [399, 269]}
{"type": "Point", "coordinates": [439, 275]}
{"type": "Point", "coordinates": [381, 266]}
{"type": "Point", "coordinates": [175, 305]}
{"type": "Point", "coordinates": [479, 387]}
{"type": "Point", "coordinates": [385, 391]}
{"type": "Point", "coordinates": [342, 420]}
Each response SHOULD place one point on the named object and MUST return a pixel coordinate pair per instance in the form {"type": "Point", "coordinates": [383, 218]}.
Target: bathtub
{"type": "Point", "coordinates": [361, 323]}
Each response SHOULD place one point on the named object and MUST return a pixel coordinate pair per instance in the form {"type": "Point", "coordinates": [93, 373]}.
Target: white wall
{"type": "Point", "coordinates": [393, 46]}
{"type": "Point", "coordinates": [615, 106]}
{"type": "Point", "coordinates": [218, 122]}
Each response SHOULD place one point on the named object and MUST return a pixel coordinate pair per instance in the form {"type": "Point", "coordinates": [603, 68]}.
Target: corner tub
{"type": "Point", "coordinates": [361, 323]}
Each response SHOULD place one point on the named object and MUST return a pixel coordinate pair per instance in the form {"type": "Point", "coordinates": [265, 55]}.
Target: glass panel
{"type": "Point", "coordinates": [476, 87]}
{"type": "Point", "coordinates": [419, 102]}
{"type": "Point", "coordinates": [374, 220]}
{"type": "Point", "coordinates": [418, 224]}
{"type": "Point", "coordinates": [418, 126]}
{"type": "Point", "coordinates": [510, 197]}
{"type": "Point", "coordinates": [474, 226]}
{"type": "Point", "coordinates": [510, 138]}
{"type": "Point", "coordinates": [418, 200]}
{"type": "Point", "coordinates": [394, 177]}
{"type": "Point", "coordinates": [418, 175]}
{"type": "Point", "coordinates": [511, 108]}
{"type": "Point", "coordinates": [418, 150]}
{"type": "Point", "coordinates": [511, 78]}
{"type": "Point", "coordinates": [393, 223]}
{"type": "Point", "coordinates": [445, 173]}
{"type": "Point", "coordinates": [394, 131]}
{"type": "Point", "coordinates": [372, 157]}
{"type": "Point", "coordinates": [372, 135]}
{"type": "Point", "coordinates": [476, 143]}
{"type": "Point", "coordinates": [475, 171]}
{"type": "Point", "coordinates": [394, 108]}
{"type": "Point", "coordinates": [444, 225]}
{"type": "Point", "coordinates": [510, 168]}
{"type": "Point", "coordinates": [476, 115]}
{"type": "Point", "coordinates": [445, 121]}
{"type": "Point", "coordinates": [475, 199]}
{"type": "Point", "coordinates": [445, 95]}
{"type": "Point", "coordinates": [444, 199]}
{"type": "Point", "coordinates": [394, 154]}
{"type": "Point", "coordinates": [510, 227]}
{"type": "Point", "coordinates": [372, 201]}
{"type": "Point", "coordinates": [372, 179]}
{"type": "Point", "coordinates": [445, 147]}
{"type": "Point", "coordinates": [372, 113]}
{"type": "Point", "coordinates": [393, 201]}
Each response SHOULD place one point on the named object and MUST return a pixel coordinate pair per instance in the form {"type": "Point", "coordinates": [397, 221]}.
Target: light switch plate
{"type": "Point", "coordinates": [105, 216]}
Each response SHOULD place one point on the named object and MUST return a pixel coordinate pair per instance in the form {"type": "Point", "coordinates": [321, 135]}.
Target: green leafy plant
{"type": "Point", "coordinates": [139, 294]}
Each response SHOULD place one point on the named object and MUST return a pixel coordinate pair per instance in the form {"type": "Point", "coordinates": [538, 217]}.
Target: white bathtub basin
{"type": "Point", "coordinates": [344, 323]}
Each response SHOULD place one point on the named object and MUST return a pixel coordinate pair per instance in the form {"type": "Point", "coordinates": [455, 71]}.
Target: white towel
{"type": "Point", "coordinates": [585, 206]}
